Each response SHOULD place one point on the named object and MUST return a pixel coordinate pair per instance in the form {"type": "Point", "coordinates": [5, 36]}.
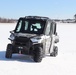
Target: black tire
{"type": "Point", "coordinates": [55, 52]}
{"type": "Point", "coordinates": [38, 54]}
{"type": "Point", "coordinates": [9, 51]}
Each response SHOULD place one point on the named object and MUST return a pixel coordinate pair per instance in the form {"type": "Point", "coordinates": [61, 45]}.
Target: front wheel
{"type": "Point", "coordinates": [9, 51]}
{"type": "Point", "coordinates": [38, 54]}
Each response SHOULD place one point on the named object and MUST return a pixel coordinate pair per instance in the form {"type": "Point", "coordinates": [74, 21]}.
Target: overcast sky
{"type": "Point", "coordinates": [51, 8]}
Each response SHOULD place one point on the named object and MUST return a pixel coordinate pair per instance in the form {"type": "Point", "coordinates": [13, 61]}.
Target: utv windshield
{"type": "Point", "coordinates": [32, 26]}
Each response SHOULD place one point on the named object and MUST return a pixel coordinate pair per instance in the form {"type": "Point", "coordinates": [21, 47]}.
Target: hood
{"type": "Point", "coordinates": [33, 37]}
{"type": "Point", "coordinates": [25, 35]}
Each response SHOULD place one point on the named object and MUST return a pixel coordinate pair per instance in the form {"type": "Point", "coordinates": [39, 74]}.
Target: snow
{"type": "Point", "coordinates": [63, 64]}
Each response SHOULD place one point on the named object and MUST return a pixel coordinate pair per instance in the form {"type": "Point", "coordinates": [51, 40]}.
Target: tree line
{"type": "Point", "coordinates": [5, 20]}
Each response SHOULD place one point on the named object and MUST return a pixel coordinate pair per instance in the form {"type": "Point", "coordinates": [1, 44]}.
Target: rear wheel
{"type": "Point", "coordinates": [55, 52]}
{"type": "Point", "coordinates": [9, 51]}
{"type": "Point", "coordinates": [38, 54]}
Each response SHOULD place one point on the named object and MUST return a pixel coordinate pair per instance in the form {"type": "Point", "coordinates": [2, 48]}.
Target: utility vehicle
{"type": "Point", "coordinates": [35, 36]}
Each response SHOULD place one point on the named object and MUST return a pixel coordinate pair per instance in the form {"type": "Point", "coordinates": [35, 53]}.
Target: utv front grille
{"type": "Point", "coordinates": [20, 44]}
{"type": "Point", "coordinates": [23, 41]}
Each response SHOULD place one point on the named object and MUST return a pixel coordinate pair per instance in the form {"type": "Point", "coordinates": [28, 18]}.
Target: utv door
{"type": "Point", "coordinates": [53, 36]}
{"type": "Point", "coordinates": [48, 37]}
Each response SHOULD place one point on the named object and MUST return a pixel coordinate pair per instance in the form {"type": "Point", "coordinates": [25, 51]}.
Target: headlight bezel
{"type": "Point", "coordinates": [36, 40]}
{"type": "Point", "coordinates": [12, 37]}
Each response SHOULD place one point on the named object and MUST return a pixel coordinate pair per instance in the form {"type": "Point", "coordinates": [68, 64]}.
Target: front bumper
{"type": "Point", "coordinates": [22, 45]}
{"type": "Point", "coordinates": [21, 49]}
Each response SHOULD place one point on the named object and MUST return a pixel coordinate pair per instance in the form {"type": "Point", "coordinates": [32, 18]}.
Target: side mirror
{"type": "Point", "coordinates": [12, 31]}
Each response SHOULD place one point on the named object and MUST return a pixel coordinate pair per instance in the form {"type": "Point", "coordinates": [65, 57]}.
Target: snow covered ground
{"type": "Point", "coordinates": [63, 64]}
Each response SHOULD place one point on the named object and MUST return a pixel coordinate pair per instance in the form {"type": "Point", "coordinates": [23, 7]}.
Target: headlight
{"type": "Point", "coordinates": [12, 37]}
{"type": "Point", "coordinates": [36, 40]}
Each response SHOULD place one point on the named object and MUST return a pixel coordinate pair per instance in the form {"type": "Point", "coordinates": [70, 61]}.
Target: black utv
{"type": "Point", "coordinates": [35, 36]}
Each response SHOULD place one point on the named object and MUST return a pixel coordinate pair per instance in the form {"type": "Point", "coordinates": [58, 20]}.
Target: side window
{"type": "Point", "coordinates": [47, 32]}
{"type": "Point", "coordinates": [54, 28]}
{"type": "Point", "coordinates": [19, 26]}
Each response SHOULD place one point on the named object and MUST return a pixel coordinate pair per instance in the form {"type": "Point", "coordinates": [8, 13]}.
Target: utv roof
{"type": "Point", "coordinates": [37, 17]}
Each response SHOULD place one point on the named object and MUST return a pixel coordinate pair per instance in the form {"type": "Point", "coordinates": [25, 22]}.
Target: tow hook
{"type": "Point", "coordinates": [20, 49]}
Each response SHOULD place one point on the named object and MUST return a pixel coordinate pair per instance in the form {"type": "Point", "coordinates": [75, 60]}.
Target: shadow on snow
{"type": "Point", "coordinates": [16, 57]}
